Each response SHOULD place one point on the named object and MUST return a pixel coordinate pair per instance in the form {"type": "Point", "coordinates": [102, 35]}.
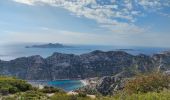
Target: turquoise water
{"type": "Point", "coordinates": [67, 85]}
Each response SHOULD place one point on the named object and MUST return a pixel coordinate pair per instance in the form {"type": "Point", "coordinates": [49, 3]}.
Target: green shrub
{"type": "Point", "coordinates": [13, 90]}
{"type": "Point", "coordinates": [32, 95]}
{"type": "Point", "coordinates": [147, 83]}
{"type": "Point", "coordinates": [4, 90]}
{"type": "Point", "coordinates": [50, 89]}
{"type": "Point", "coordinates": [81, 94]}
{"type": "Point", "coordinates": [163, 95]}
{"type": "Point", "coordinates": [10, 85]}
{"type": "Point", "coordinates": [8, 98]}
{"type": "Point", "coordinates": [62, 96]}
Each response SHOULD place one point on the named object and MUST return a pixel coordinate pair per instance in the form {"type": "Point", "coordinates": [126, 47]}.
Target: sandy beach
{"type": "Point", "coordinates": [84, 82]}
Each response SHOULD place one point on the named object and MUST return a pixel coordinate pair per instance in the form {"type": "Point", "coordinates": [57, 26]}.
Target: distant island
{"type": "Point", "coordinates": [49, 45]}
{"type": "Point", "coordinates": [125, 49]}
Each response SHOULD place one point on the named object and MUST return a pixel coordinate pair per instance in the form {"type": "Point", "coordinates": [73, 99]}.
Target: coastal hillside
{"type": "Point", "coordinates": [16, 89]}
{"type": "Point", "coordinates": [84, 49]}
{"type": "Point", "coordinates": [93, 64]}
{"type": "Point", "coordinates": [153, 86]}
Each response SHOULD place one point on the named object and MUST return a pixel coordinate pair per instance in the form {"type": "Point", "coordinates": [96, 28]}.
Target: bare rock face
{"type": "Point", "coordinates": [64, 66]}
{"type": "Point", "coordinates": [30, 68]}
{"type": "Point", "coordinates": [37, 69]}
{"type": "Point", "coordinates": [93, 64]}
{"type": "Point", "coordinates": [162, 61]}
{"type": "Point", "coordinates": [109, 85]}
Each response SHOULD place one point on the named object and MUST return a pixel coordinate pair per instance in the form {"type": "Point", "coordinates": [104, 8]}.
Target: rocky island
{"type": "Point", "coordinates": [49, 45]}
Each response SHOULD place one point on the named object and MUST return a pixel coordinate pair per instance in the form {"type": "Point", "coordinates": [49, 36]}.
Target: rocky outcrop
{"type": "Point", "coordinates": [107, 85]}
{"type": "Point", "coordinates": [93, 64]}
{"type": "Point", "coordinates": [110, 84]}
{"type": "Point", "coordinates": [162, 61]}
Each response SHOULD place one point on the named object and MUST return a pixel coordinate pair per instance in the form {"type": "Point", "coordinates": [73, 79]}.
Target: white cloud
{"type": "Point", "coordinates": [108, 13]}
{"type": "Point", "coordinates": [28, 2]}
{"type": "Point", "coordinates": [164, 14]}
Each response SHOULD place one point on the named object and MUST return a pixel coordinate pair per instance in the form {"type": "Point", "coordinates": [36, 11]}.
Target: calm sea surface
{"type": "Point", "coordinates": [9, 52]}
{"type": "Point", "coordinates": [67, 85]}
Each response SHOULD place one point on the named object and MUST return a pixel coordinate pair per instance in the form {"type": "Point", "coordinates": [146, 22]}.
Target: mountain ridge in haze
{"type": "Point", "coordinates": [94, 64]}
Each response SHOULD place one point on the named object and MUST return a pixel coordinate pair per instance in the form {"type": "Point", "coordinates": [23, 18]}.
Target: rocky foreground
{"type": "Point", "coordinates": [93, 64]}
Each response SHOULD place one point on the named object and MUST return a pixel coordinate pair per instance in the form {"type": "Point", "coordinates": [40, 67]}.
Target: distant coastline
{"type": "Point", "coordinates": [126, 49]}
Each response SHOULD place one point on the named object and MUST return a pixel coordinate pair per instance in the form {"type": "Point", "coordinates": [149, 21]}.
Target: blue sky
{"type": "Point", "coordinates": [106, 22]}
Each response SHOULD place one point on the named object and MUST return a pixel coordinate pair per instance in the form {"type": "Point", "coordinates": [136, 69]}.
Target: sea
{"type": "Point", "coordinates": [67, 85]}
{"type": "Point", "coordinates": [13, 51]}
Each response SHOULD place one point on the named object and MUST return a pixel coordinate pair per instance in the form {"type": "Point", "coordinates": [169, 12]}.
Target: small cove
{"type": "Point", "coordinates": [67, 85]}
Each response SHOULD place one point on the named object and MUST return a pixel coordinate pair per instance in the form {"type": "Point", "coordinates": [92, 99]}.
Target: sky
{"type": "Point", "coordinates": [99, 22]}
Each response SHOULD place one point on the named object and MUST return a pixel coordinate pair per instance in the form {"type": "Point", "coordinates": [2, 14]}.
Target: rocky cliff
{"type": "Point", "coordinates": [93, 64]}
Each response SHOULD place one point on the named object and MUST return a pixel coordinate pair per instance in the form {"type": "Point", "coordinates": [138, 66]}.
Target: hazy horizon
{"type": "Point", "coordinates": [143, 23]}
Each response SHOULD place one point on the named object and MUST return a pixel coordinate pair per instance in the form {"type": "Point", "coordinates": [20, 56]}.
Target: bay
{"type": "Point", "coordinates": [67, 85]}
